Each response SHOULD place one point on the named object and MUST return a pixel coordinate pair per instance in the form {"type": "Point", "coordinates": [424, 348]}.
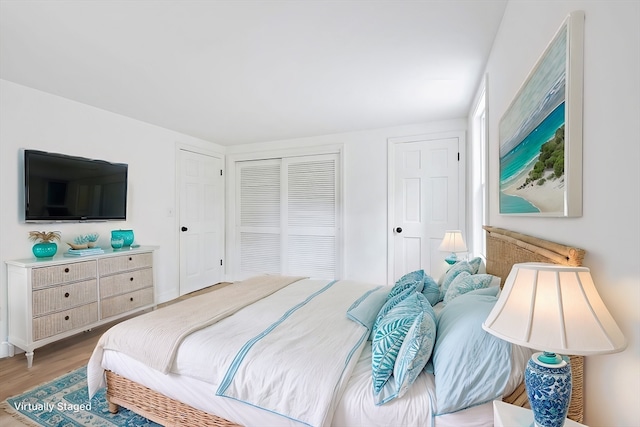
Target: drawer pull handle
{"type": "Point", "coordinates": [131, 299]}
{"type": "Point", "coordinates": [66, 294]}
{"type": "Point", "coordinates": [66, 317]}
{"type": "Point", "coordinates": [130, 259]}
{"type": "Point", "coordinates": [131, 279]}
{"type": "Point", "coordinates": [66, 270]}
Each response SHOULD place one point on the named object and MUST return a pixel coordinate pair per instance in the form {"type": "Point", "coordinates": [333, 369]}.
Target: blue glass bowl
{"type": "Point", "coordinates": [117, 242]}
{"type": "Point", "coordinates": [126, 235]}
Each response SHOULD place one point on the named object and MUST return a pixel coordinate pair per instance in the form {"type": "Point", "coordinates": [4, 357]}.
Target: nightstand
{"type": "Point", "coordinates": [507, 415]}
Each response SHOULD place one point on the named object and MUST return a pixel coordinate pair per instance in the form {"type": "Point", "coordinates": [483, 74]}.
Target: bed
{"type": "Point", "coordinates": [179, 385]}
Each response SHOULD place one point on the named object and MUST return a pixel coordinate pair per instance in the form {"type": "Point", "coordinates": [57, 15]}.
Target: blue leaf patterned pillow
{"type": "Point", "coordinates": [413, 355]}
{"type": "Point", "coordinates": [431, 290]}
{"type": "Point", "coordinates": [388, 305]}
{"type": "Point", "coordinates": [388, 340]}
{"type": "Point", "coordinates": [451, 274]}
{"type": "Point", "coordinates": [475, 264]}
{"type": "Point", "coordinates": [416, 349]}
{"type": "Point", "coordinates": [413, 280]}
{"type": "Point", "coordinates": [465, 282]}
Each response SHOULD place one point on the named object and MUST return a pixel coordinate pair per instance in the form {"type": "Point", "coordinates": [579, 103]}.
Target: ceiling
{"type": "Point", "coordinates": [235, 72]}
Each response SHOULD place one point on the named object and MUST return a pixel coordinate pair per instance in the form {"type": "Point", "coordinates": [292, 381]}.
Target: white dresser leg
{"type": "Point", "coordinates": [12, 350]}
{"type": "Point", "coordinates": [29, 355]}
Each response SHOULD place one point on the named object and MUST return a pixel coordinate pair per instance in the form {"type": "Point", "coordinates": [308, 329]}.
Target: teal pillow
{"type": "Point", "coordinates": [451, 274]}
{"type": "Point", "coordinates": [416, 349]}
{"type": "Point", "coordinates": [366, 308]}
{"type": "Point", "coordinates": [408, 315]}
{"type": "Point", "coordinates": [470, 365]}
{"type": "Point", "coordinates": [413, 280]}
{"type": "Point", "coordinates": [492, 291]}
{"type": "Point", "coordinates": [414, 353]}
{"type": "Point", "coordinates": [465, 282]}
{"type": "Point", "coordinates": [431, 290]}
{"type": "Point", "coordinates": [475, 264]}
{"type": "Point", "coordinates": [388, 305]}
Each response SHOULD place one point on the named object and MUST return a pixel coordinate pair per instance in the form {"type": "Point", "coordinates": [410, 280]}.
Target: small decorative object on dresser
{"type": "Point", "coordinates": [84, 242]}
{"type": "Point", "coordinates": [126, 235]}
{"type": "Point", "coordinates": [79, 242]}
{"type": "Point", "coordinates": [555, 308]}
{"type": "Point", "coordinates": [92, 239]}
{"type": "Point", "coordinates": [44, 247]}
{"type": "Point", "coordinates": [117, 243]}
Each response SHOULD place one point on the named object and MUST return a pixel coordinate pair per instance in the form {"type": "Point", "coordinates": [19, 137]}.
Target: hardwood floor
{"type": "Point", "coordinates": [56, 359]}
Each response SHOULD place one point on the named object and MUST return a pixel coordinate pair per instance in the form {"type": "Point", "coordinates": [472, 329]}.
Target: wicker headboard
{"type": "Point", "coordinates": [506, 248]}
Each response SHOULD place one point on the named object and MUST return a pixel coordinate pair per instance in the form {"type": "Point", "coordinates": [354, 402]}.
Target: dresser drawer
{"type": "Point", "coordinates": [64, 273]}
{"type": "Point", "coordinates": [64, 321]}
{"type": "Point", "coordinates": [125, 282]}
{"type": "Point", "coordinates": [64, 297]}
{"type": "Point", "coordinates": [124, 263]}
{"type": "Point", "coordinates": [126, 302]}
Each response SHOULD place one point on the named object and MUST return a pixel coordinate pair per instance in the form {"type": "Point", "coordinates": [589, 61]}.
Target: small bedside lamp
{"type": "Point", "coordinates": [452, 242]}
{"type": "Point", "coordinates": [557, 309]}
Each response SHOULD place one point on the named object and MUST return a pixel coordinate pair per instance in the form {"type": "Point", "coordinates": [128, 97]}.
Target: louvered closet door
{"type": "Point", "coordinates": [288, 220]}
{"type": "Point", "coordinates": [259, 207]}
{"type": "Point", "coordinates": [311, 217]}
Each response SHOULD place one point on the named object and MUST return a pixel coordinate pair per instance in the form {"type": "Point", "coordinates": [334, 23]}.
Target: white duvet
{"type": "Point", "coordinates": [281, 352]}
{"type": "Point", "coordinates": [263, 365]}
{"type": "Point", "coordinates": [306, 354]}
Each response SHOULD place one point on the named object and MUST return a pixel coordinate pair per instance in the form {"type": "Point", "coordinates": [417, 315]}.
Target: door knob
{"type": "Point", "coordinates": [184, 228]}
{"type": "Point", "coordinates": [399, 230]}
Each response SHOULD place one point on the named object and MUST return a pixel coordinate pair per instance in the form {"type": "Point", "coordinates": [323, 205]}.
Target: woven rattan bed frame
{"type": "Point", "coordinates": [504, 248]}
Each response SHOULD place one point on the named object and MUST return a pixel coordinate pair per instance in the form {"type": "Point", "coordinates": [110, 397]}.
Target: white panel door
{"type": "Point", "coordinates": [201, 221]}
{"type": "Point", "coordinates": [424, 203]}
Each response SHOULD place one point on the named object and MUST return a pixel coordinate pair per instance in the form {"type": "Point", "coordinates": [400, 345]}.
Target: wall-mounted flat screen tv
{"type": "Point", "coordinates": [59, 187]}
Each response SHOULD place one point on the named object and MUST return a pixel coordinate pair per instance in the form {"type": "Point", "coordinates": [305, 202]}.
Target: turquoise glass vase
{"type": "Point", "coordinates": [44, 249]}
{"type": "Point", "coordinates": [117, 243]}
{"type": "Point", "coordinates": [125, 235]}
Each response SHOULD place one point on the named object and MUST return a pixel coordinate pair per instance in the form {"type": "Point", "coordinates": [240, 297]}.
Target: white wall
{"type": "Point", "coordinates": [365, 190]}
{"type": "Point", "coordinates": [609, 229]}
{"type": "Point", "coordinates": [37, 120]}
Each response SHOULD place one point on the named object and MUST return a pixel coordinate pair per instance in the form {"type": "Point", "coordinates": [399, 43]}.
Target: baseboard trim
{"type": "Point", "coordinates": [5, 349]}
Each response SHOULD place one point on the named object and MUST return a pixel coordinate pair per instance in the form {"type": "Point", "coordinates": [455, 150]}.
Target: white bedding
{"type": "Point", "coordinates": [355, 408]}
{"type": "Point", "coordinates": [317, 364]}
{"type": "Point", "coordinates": [194, 380]}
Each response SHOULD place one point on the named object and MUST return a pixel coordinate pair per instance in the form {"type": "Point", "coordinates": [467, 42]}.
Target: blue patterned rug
{"type": "Point", "coordinates": [64, 402]}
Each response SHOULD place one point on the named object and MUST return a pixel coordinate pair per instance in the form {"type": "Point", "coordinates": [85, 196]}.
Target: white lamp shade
{"type": "Point", "coordinates": [554, 308]}
{"type": "Point", "coordinates": [453, 242]}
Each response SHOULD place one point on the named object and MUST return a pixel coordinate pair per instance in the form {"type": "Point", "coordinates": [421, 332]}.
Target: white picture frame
{"type": "Point", "coordinates": [540, 132]}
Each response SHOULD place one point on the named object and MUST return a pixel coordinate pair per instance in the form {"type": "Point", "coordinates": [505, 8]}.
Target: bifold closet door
{"type": "Point", "coordinates": [258, 210]}
{"type": "Point", "coordinates": [287, 216]}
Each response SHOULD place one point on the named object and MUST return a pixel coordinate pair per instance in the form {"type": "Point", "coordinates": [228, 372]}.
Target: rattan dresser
{"type": "Point", "coordinates": [51, 299]}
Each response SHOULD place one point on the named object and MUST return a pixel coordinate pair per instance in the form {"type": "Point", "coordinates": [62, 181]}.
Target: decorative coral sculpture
{"type": "Point", "coordinates": [92, 238]}
{"type": "Point", "coordinates": [79, 242]}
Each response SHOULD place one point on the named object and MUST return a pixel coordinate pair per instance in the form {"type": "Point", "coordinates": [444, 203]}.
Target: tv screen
{"type": "Point", "coordinates": [59, 187]}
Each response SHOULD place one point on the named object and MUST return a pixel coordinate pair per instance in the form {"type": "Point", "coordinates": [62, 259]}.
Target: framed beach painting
{"type": "Point", "coordinates": [541, 132]}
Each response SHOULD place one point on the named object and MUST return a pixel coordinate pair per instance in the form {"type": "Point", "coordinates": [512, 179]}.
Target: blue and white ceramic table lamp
{"type": "Point", "coordinates": [453, 243]}
{"type": "Point", "coordinates": [557, 309]}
